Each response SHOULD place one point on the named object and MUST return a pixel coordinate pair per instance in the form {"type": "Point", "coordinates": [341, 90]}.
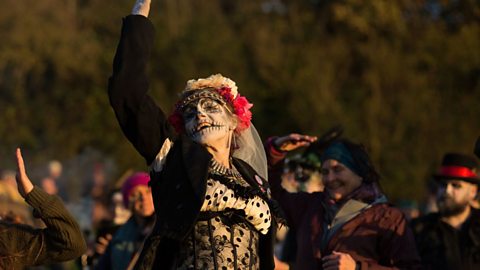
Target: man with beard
{"type": "Point", "coordinates": [450, 238]}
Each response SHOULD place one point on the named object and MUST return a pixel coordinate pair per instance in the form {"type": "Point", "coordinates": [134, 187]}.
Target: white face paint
{"type": "Point", "coordinates": [208, 122]}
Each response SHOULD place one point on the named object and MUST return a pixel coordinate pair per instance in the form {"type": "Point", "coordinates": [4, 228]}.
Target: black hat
{"type": "Point", "coordinates": [458, 166]}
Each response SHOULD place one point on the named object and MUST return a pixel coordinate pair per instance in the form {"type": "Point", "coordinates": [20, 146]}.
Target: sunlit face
{"type": "Point", "coordinates": [207, 121]}
{"type": "Point", "coordinates": [141, 201]}
{"type": "Point", "coordinates": [338, 179]}
{"type": "Point", "coordinates": [454, 196]}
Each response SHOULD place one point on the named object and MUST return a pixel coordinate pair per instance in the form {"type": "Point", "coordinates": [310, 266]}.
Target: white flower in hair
{"type": "Point", "coordinates": [215, 81]}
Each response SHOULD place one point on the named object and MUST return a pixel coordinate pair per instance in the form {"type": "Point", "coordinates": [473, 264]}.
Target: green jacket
{"type": "Point", "coordinates": [61, 240]}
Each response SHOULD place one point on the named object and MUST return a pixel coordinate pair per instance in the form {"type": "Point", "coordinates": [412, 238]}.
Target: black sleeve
{"type": "Point", "coordinates": [141, 120]}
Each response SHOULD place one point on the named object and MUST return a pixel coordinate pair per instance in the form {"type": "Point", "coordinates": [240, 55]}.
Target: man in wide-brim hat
{"type": "Point", "coordinates": [450, 239]}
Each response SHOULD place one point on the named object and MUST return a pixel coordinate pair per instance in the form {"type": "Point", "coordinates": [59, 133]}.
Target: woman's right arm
{"type": "Point", "coordinates": [141, 120]}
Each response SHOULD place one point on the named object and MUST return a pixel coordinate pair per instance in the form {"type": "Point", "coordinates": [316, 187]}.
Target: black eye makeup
{"type": "Point", "coordinates": [209, 105]}
{"type": "Point", "coordinates": [205, 104]}
{"type": "Point", "coordinates": [189, 111]}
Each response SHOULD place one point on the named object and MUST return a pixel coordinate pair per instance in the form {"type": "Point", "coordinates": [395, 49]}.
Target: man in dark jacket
{"type": "Point", "coordinates": [22, 245]}
{"type": "Point", "coordinates": [450, 239]}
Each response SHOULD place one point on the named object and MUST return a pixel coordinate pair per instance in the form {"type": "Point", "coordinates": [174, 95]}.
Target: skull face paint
{"type": "Point", "coordinates": [208, 121]}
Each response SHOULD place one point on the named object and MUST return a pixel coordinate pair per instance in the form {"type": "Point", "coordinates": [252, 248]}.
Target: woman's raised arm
{"type": "Point", "coordinates": [142, 121]}
{"type": "Point", "coordinates": [141, 7]}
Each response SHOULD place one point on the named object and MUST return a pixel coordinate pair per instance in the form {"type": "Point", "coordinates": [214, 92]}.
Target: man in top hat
{"type": "Point", "coordinates": [450, 238]}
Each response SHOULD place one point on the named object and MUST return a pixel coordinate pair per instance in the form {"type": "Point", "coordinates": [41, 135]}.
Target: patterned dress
{"type": "Point", "coordinates": [226, 236]}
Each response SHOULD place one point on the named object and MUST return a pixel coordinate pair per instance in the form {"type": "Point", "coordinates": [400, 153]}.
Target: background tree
{"type": "Point", "coordinates": [401, 76]}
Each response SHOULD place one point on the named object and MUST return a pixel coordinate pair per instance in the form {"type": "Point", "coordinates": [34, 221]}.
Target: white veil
{"type": "Point", "coordinates": [250, 149]}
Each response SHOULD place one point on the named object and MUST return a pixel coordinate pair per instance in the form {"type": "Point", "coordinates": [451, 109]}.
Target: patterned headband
{"type": "Point", "coordinates": [218, 88]}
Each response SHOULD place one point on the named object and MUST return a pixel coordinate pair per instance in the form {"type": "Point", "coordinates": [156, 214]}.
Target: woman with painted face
{"type": "Point", "coordinates": [208, 165]}
{"type": "Point", "coordinates": [349, 225]}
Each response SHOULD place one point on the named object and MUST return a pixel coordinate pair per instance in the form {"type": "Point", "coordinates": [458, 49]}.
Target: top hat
{"type": "Point", "coordinates": [458, 166]}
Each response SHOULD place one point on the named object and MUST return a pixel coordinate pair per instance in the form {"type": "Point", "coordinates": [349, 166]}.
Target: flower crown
{"type": "Point", "coordinates": [222, 87]}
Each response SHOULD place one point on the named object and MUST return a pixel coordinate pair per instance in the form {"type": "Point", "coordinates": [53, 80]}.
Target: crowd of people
{"type": "Point", "coordinates": [215, 196]}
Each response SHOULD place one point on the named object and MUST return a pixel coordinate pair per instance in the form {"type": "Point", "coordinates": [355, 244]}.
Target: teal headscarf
{"type": "Point", "coordinates": [339, 152]}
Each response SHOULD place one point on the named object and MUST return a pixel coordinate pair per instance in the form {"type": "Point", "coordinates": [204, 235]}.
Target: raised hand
{"type": "Point", "coordinates": [24, 184]}
{"type": "Point", "coordinates": [293, 141]}
{"type": "Point", "coordinates": [141, 7]}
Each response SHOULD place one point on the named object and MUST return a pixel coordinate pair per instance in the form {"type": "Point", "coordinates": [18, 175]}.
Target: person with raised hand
{"type": "Point", "coordinates": [207, 164]}
{"type": "Point", "coordinates": [349, 225]}
{"type": "Point", "coordinates": [22, 245]}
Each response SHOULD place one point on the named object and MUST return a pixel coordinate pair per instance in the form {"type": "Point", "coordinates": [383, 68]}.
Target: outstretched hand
{"type": "Point", "coordinates": [24, 184]}
{"type": "Point", "coordinates": [141, 7]}
{"type": "Point", "coordinates": [293, 141]}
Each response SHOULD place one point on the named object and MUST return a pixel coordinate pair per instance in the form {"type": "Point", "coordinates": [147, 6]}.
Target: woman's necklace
{"type": "Point", "coordinates": [231, 173]}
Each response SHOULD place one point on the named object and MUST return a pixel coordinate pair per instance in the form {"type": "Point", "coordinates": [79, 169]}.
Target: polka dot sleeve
{"type": "Point", "coordinates": [219, 198]}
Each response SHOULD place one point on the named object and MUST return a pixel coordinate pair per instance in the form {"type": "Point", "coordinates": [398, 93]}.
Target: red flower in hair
{"type": "Point", "coordinates": [242, 110]}
{"type": "Point", "coordinates": [240, 105]}
{"type": "Point", "coordinates": [226, 93]}
{"type": "Point", "coordinates": [176, 120]}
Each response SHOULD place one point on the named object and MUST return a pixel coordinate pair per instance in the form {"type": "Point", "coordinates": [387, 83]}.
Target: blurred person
{"type": "Point", "coordinates": [207, 163]}
{"type": "Point", "coordinates": [55, 169]}
{"type": "Point", "coordinates": [450, 238]}
{"type": "Point", "coordinates": [349, 225]}
{"type": "Point", "coordinates": [12, 217]}
{"type": "Point", "coordinates": [409, 208]}
{"type": "Point", "coordinates": [12, 205]}
{"type": "Point", "coordinates": [430, 201]}
{"type": "Point", "coordinates": [50, 183]}
{"type": "Point", "coordinates": [121, 212]}
{"type": "Point", "coordinates": [301, 174]}
{"type": "Point", "coordinates": [99, 194]}
{"type": "Point", "coordinates": [50, 186]}
{"type": "Point", "coordinates": [119, 250]}
{"type": "Point", "coordinates": [105, 228]}
{"type": "Point", "coordinates": [22, 245]}
{"type": "Point", "coordinates": [8, 187]}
